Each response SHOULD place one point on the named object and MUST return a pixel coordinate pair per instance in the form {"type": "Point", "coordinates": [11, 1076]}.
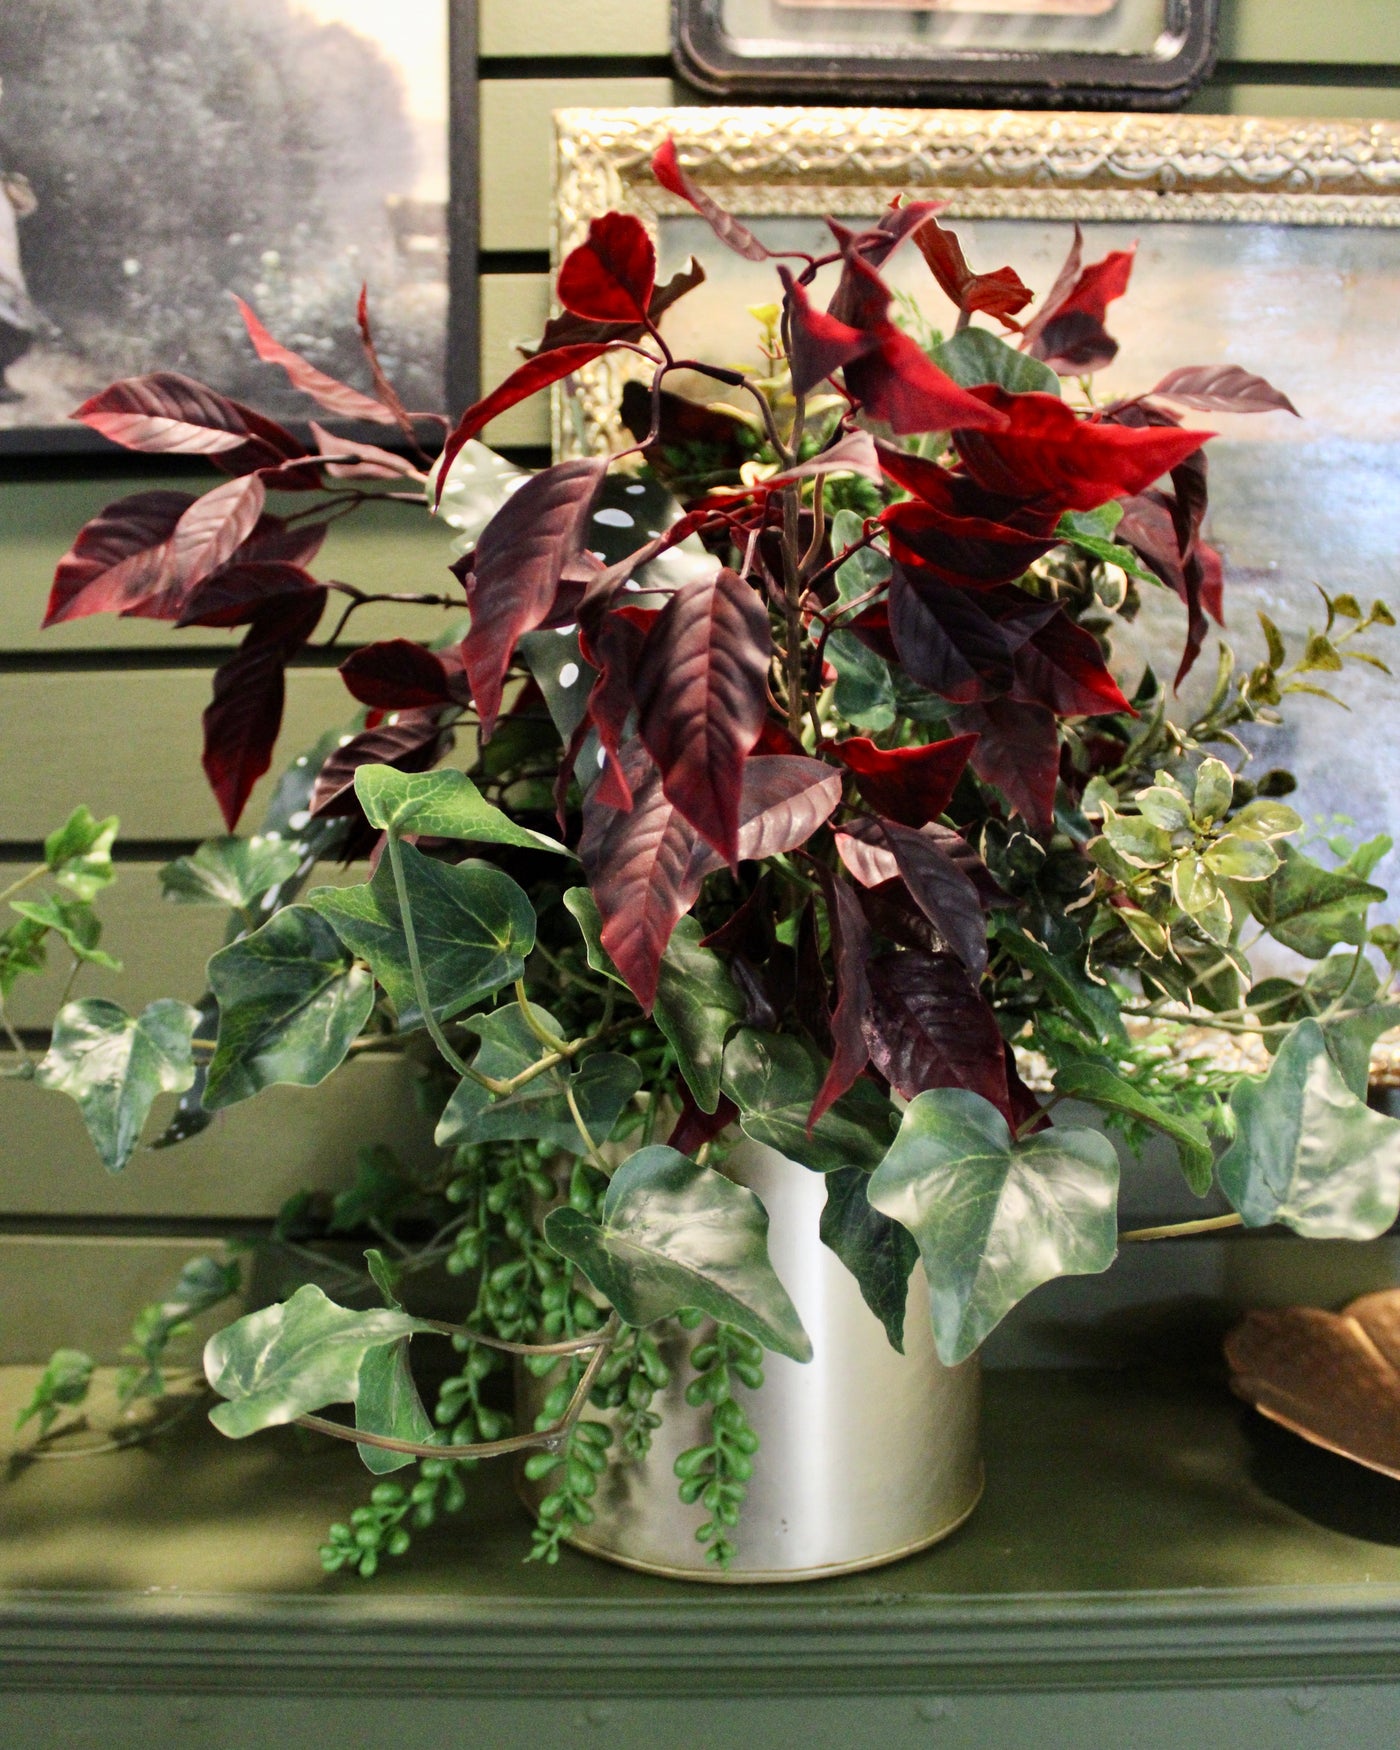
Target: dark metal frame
{"type": "Point", "coordinates": [462, 357]}
{"type": "Point", "coordinates": [977, 79]}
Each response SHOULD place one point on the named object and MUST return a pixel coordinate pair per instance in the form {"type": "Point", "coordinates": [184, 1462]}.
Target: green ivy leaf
{"type": "Point", "coordinates": [1214, 792]}
{"type": "Point", "coordinates": [62, 1386]}
{"type": "Point", "coordinates": [878, 1252]}
{"type": "Point", "coordinates": [203, 1283]}
{"type": "Point", "coordinates": [21, 951]}
{"type": "Point", "coordinates": [538, 1111]}
{"type": "Point", "coordinates": [867, 568]}
{"type": "Point", "coordinates": [232, 872]}
{"type": "Point", "coordinates": [864, 693]}
{"type": "Point", "coordinates": [475, 929]}
{"type": "Point", "coordinates": [74, 921]}
{"type": "Point", "coordinates": [1092, 1005]}
{"type": "Point", "coordinates": [1308, 1152]}
{"type": "Point", "coordinates": [674, 1234]}
{"type": "Point", "coordinates": [994, 1217]}
{"type": "Point", "coordinates": [388, 1401]}
{"type": "Point", "coordinates": [1311, 909]}
{"type": "Point", "coordinates": [773, 1079]}
{"type": "Point", "coordinates": [114, 1065]}
{"type": "Point", "coordinates": [291, 1001]}
{"type": "Point", "coordinates": [977, 356]}
{"type": "Point", "coordinates": [294, 1358]}
{"type": "Point", "coordinates": [80, 852]}
{"type": "Point", "coordinates": [1110, 1092]}
{"type": "Point", "coordinates": [443, 805]}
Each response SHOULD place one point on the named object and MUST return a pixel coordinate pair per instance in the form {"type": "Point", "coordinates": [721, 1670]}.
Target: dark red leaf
{"type": "Point", "coordinates": [361, 461]}
{"type": "Point", "coordinates": [210, 532]}
{"type": "Point", "coordinates": [413, 742]}
{"type": "Point", "coordinates": [1047, 454]}
{"type": "Point", "coordinates": [853, 452]}
{"type": "Point", "coordinates": [700, 687]}
{"type": "Point", "coordinates": [1068, 331]}
{"type": "Point", "coordinates": [1152, 525]}
{"type": "Point", "coordinates": [889, 910]}
{"type": "Point", "coordinates": [856, 299]}
{"type": "Point", "coordinates": [967, 536]}
{"type": "Point", "coordinates": [1000, 294]}
{"type": "Point", "coordinates": [945, 640]}
{"type": "Point", "coordinates": [929, 1026]}
{"type": "Point", "coordinates": [1018, 751]}
{"type": "Point", "coordinates": [335, 397]}
{"type": "Point", "coordinates": [571, 330]}
{"type": "Point", "coordinates": [399, 675]}
{"type": "Point", "coordinates": [912, 785]}
{"type": "Point", "coordinates": [118, 562]}
{"type": "Point", "coordinates": [613, 649]}
{"type": "Point", "coordinates": [1222, 389]}
{"type": "Point", "coordinates": [786, 797]}
{"type": "Point", "coordinates": [238, 591]}
{"type": "Point", "coordinates": [666, 168]}
{"type": "Point", "coordinates": [694, 1128]}
{"type": "Point", "coordinates": [943, 891]}
{"type": "Point", "coordinates": [520, 557]}
{"type": "Point", "coordinates": [776, 737]}
{"type": "Point", "coordinates": [611, 275]}
{"type": "Point", "coordinates": [821, 344]}
{"type": "Point", "coordinates": [749, 930]}
{"type": "Point", "coordinates": [851, 948]}
{"type": "Point", "coordinates": [243, 718]}
{"type": "Point", "coordinates": [167, 414]}
{"type": "Point", "coordinates": [383, 388]}
{"type": "Point", "coordinates": [535, 374]}
{"type": "Point", "coordinates": [1062, 666]}
{"type": "Point", "coordinates": [274, 542]}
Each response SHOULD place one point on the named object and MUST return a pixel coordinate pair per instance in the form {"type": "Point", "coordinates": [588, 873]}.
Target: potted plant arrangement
{"type": "Point", "coordinates": [803, 844]}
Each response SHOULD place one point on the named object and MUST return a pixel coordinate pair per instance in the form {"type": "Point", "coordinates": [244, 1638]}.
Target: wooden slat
{"type": "Point", "coordinates": [251, 1159]}
{"type": "Point", "coordinates": [563, 27]}
{"type": "Point", "coordinates": [390, 547]}
{"type": "Point", "coordinates": [1342, 102]}
{"type": "Point", "coordinates": [514, 306]}
{"type": "Point", "coordinates": [516, 148]}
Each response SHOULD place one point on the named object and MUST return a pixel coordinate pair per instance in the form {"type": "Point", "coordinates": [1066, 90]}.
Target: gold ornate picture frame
{"type": "Point", "coordinates": [1267, 243]}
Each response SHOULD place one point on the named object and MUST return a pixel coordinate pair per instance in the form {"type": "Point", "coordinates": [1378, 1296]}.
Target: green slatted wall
{"type": "Point", "coordinates": [108, 712]}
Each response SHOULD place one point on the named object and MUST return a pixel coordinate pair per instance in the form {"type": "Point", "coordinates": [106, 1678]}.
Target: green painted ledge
{"type": "Point", "coordinates": [1151, 1565]}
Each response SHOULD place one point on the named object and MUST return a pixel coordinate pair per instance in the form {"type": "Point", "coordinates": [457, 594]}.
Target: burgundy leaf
{"type": "Point", "coordinates": [749, 930]}
{"type": "Point", "coordinates": [613, 649]}
{"type": "Point", "coordinates": [1068, 331]}
{"type": "Point", "coordinates": [274, 542]}
{"type": "Point", "coordinates": [1049, 455]}
{"type": "Point", "coordinates": [243, 718]}
{"type": "Point", "coordinates": [700, 687]}
{"type": "Point", "coordinates": [210, 532]}
{"type": "Point", "coordinates": [519, 560]}
{"type": "Point", "coordinates": [639, 867]}
{"type": "Point", "coordinates": [1024, 1109]}
{"type": "Point", "coordinates": [1000, 294]}
{"type": "Point", "coordinates": [821, 343]}
{"type": "Point", "coordinates": [383, 388]}
{"type": "Point", "coordinates": [912, 785]}
{"type": "Point", "coordinates": [785, 798]}
{"type": "Point", "coordinates": [335, 397]}
{"type": "Point", "coordinates": [851, 948]}
{"type": "Point", "coordinates": [852, 453]}
{"type": "Point", "coordinates": [167, 414]}
{"type": "Point", "coordinates": [1152, 525]}
{"type": "Point", "coordinates": [966, 535]}
{"type": "Point", "coordinates": [1222, 389]}
{"type": "Point", "coordinates": [930, 1027]}
{"type": "Point", "coordinates": [611, 275]}
{"type": "Point", "coordinates": [571, 330]}
{"type": "Point", "coordinates": [857, 297]}
{"type": "Point", "coordinates": [238, 591]}
{"type": "Point", "coordinates": [413, 742]}
{"type": "Point", "coordinates": [118, 562]}
{"type": "Point", "coordinates": [525, 380]}
{"type": "Point", "coordinates": [666, 168]}
{"type": "Point", "coordinates": [1018, 751]}
{"type": "Point", "coordinates": [1062, 666]}
{"type": "Point", "coordinates": [943, 891]}
{"type": "Point", "coordinates": [945, 640]}
{"type": "Point", "coordinates": [361, 461]}
{"type": "Point", "coordinates": [399, 675]}
{"type": "Point", "coordinates": [889, 909]}
{"type": "Point", "coordinates": [694, 1128]}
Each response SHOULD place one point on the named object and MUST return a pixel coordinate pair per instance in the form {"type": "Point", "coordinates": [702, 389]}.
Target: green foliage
{"type": "Point", "coordinates": [773, 1078]}
{"type": "Point", "coordinates": [1311, 909]}
{"type": "Point", "coordinates": [580, 1463]}
{"type": "Point", "coordinates": [674, 1234]}
{"type": "Point", "coordinates": [232, 872]}
{"type": "Point", "coordinates": [443, 805]}
{"type": "Point", "coordinates": [203, 1284]}
{"type": "Point", "coordinates": [976, 355]}
{"type": "Point", "coordinates": [474, 928]}
{"type": "Point", "coordinates": [291, 1359]}
{"type": "Point", "coordinates": [1111, 1092]}
{"type": "Point", "coordinates": [1308, 1152]}
{"type": "Point", "coordinates": [291, 1001]}
{"type": "Point", "coordinates": [718, 1471]}
{"type": "Point", "coordinates": [994, 1217]}
{"type": "Point", "coordinates": [878, 1252]}
{"type": "Point", "coordinates": [63, 1385]}
{"type": "Point", "coordinates": [864, 694]}
{"type": "Point", "coordinates": [74, 922]}
{"type": "Point", "coordinates": [114, 1065]}
{"type": "Point", "coordinates": [627, 1382]}
{"type": "Point", "coordinates": [1091, 532]}
{"type": "Point", "coordinates": [79, 853]}
{"type": "Point", "coordinates": [1340, 993]}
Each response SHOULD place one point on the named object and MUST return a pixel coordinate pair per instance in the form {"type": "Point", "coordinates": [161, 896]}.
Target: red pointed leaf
{"type": "Point", "coordinates": [1051, 456]}
{"type": "Point", "coordinates": [611, 275]}
{"type": "Point", "coordinates": [1000, 294]}
{"type": "Point", "coordinates": [361, 461]}
{"type": "Point", "coordinates": [695, 1128]}
{"type": "Point", "coordinates": [571, 330]}
{"type": "Point", "coordinates": [237, 593]}
{"type": "Point", "coordinates": [399, 675]}
{"type": "Point", "coordinates": [209, 533]}
{"type": "Point", "coordinates": [1018, 751]}
{"type": "Point", "coordinates": [1068, 331]}
{"type": "Point", "coordinates": [383, 388]}
{"type": "Point", "coordinates": [1062, 667]}
{"type": "Point", "coordinates": [614, 650]}
{"type": "Point", "coordinates": [943, 891]}
{"type": "Point", "coordinates": [851, 948]}
{"type": "Point", "coordinates": [119, 559]}
{"type": "Point", "coordinates": [821, 344]}
{"type": "Point", "coordinates": [167, 414]}
{"type": "Point", "coordinates": [335, 397]}
{"type": "Point", "coordinates": [946, 641]}
{"type": "Point", "coordinates": [786, 797]}
{"type": "Point", "coordinates": [912, 785]}
{"type": "Point", "coordinates": [535, 374]}
{"type": "Point", "coordinates": [929, 1026]}
{"type": "Point", "coordinates": [520, 557]}
{"type": "Point", "coordinates": [952, 526]}
{"type": "Point", "coordinates": [666, 168]}
{"type": "Point", "coordinates": [853, 452]}
{"type": "Point", "coordinates": [413, 741]}
{"type": "Point", "coordinates": [243, 718]}
{"type": "Point", "coordinates": [700, 687]}
{"type": "Point", "coordinates": [1222, 389]}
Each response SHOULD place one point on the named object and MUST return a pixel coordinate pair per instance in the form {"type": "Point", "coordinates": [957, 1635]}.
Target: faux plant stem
{"type": "Point", "coordinates": [1181, 1229]}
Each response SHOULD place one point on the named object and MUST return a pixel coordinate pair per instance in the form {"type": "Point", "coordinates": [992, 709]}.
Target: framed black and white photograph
{"type": "Point", "coordinates": [156, 157]}
{"type": "Point", "coordinates": [1117, 54]}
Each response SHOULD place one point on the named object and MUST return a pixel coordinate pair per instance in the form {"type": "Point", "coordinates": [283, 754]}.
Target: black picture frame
{"type": "Point", "coordinates": [48, 445]}
{"type": "Point", "coordinates": [707, 57]}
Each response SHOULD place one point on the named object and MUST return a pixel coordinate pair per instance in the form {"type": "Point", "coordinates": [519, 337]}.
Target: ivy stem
{"type": "Point", "coordinates": [1178, 1229]}
{"type": "Point", "coordinates": [594, 1152]}
{"type": "Point", "coordinates": [540, 1031]}
{"type": "Point", "coordinates": [415, 962]}
{"type": "Point", "coordinates": [24, 880]}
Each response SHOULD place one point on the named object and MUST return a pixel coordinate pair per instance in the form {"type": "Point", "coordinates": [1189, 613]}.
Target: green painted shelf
{"type": "Point", "coordinates": [1151, 1565]}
